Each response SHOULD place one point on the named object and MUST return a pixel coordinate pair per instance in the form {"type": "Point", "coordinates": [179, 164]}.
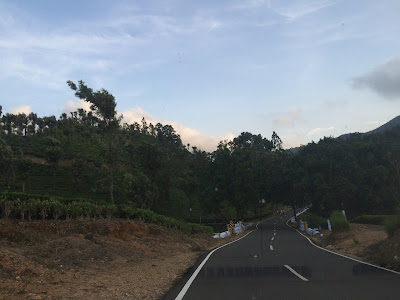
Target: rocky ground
{"type": "Point", "coordinates": [94, 259]}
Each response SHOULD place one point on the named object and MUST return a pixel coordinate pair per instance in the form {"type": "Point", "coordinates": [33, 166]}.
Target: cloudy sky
{"type": "Point", "coordinates": [212, 69]}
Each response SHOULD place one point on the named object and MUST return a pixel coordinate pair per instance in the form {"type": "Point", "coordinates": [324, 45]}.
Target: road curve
{"type": "Point", "coordinates": [276, 262]}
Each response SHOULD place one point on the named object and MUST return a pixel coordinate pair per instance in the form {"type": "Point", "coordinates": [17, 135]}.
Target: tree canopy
{"type": "Point", "coordinates": [91, 154]}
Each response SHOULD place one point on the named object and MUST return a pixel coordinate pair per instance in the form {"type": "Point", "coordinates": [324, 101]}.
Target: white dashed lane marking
{"type": "Point", "coordinates": [295, 273]}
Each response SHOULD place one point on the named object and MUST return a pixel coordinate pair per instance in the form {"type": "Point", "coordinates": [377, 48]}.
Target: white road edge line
{"type": "Point", "coordinates": [272, 248]}
{"type": "Point", "coordinates": [342, 255]}
{"type": "Point", "coordinates": [195, 273]}
{"type": "Point", "coordinates": [295, 273]}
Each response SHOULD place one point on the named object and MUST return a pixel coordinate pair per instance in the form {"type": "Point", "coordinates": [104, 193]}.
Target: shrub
{"type": "Point", "coordinates": [57, 208]}
{"type": "Point", "coordinates": [7, 207]}
{"type": "Point", "coordinates": [339, 222]}
{"type": "Point", "coordinates": [370, 219]}
{"type": "Point", "coordinates": [392, 224]}
{"type": "Point", "coordinates": [42, 206]}
{"type": "Point", "coordinates": [15, 196]}
{"type": "Point", "coordinates": [33, 205]}
{"type": "Point", "coordinates": [313, 221]}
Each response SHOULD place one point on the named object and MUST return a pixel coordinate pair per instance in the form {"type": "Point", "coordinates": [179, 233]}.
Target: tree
{"type": "Point", "coordinates": [9, 123]}
{"type": "Point", "coordinates": [50, 123]}
{"type": "Point", "coordinates": [6, 164]}
{"type": "Point", "coordinates": [103, 104]}
{"type": "Point", "coordinates": [32, 117]}
{"type": "Point", "coordinates": [23, 167]}
{"type": "Point", "coordinates": [138, 189]}
{"type": "Point", "coordinates": [78, 166]}
{"type": "Point", "coordinates": [53, 155]}
{"type": "Point", "coordinates": [276, 142]}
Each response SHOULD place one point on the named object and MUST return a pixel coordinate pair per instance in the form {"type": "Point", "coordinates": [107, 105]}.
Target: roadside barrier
{"type": "Point", "coordinates": [303, 226]}
{"type": "Point", "coordinates": [292, 220]}
{"type": "Point", "coordinates": [237, 228]}
{"type": "Point", "coordinates": [311, 231]}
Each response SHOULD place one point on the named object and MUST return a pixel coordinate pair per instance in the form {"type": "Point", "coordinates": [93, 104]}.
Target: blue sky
{"type": "Point", "coordinates": [212, 69]}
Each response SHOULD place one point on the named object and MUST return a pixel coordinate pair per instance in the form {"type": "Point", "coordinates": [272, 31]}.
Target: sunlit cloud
{"type": "Point", "coordinates": [71, 106]}
{"type": "Point", "coordinates": [319, 130]}
{"type": "Point", "coordinates": [25, 109]}
{"type": "Point", "coordinates": [188, 135]}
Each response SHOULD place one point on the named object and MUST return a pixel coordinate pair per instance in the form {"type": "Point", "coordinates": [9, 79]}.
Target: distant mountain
{"type": "Point", "coordinates": [385, 127]}
{"type": "Point", "coordinates": [381, 129]}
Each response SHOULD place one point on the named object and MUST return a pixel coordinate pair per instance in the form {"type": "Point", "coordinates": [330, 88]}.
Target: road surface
{"type": "Point", "coordinates": [276, 262]}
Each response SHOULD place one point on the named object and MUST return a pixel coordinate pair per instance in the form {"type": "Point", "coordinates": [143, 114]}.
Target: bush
{"type": "Point", "coordinates": [313, 221]}
{"type": "Point", "coordinates": [339, 222]}
{"type": "Point", "coordinates": [370, 219]}
{"type": "Point", "coordinates": [392, 224]}
{"type": "Point", "coordinates": [11, 206]}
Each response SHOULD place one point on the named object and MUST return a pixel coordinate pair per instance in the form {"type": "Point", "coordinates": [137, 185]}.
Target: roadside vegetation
{"type": "Point", "coordinates": [122, 169]}
{"type": "Point", "coordinates": [392, 223]}
{"type": "Point", "coordinates": [339, 222]}
{"type": "Point", "coordinates": [370, 219]}
{"type": "Point", "coordinates": [313, 220]}
{"type": "Point", "coordinates": [30, 207]}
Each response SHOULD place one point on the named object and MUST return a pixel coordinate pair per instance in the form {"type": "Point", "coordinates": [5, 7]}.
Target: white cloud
{"type": "Point", "coordinates": [110, 48]}
{"type": "Point", "coordinates": [26, 109]}
{"type": "Point", "coordinates": [71, 106]}
{"type": "Point", "coordinates": [188, 135]}
{"type": "Point", "coordinates": [295, 11]}
{"type": "Point", "coordinates": [372, 123]}
{"type": "Point", "coordinates": [319, 130]}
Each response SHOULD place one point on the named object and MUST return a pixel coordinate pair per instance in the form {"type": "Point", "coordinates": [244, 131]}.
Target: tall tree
{"type": "Point", "coordinates": [103, 104]}
{"type": "Point", "coordinates": [23, 166]}
{"type": "Point", "coordinates": [53, 155]}
{"type": "Point", "coordinates": [6, 164]}
{"type": "Point", "coordinates": [9, 123]}
{"type": "Point", "coordinates": [32, 117]}
{"type": "Point", "coordinates": [276, 142]}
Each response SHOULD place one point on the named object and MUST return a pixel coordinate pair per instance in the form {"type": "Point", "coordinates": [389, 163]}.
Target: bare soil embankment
{"type": "Point", "coordinates": [94, 259]}
{"type": "Point", "coordinates": [369, 243]}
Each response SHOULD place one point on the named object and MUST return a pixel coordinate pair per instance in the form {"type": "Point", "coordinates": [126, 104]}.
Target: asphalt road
{"type": "Point", "coordinates": [276, 262]}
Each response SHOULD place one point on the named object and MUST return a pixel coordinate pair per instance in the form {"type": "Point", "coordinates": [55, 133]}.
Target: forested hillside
{"type": "Point", "coordinates": [93, 155]}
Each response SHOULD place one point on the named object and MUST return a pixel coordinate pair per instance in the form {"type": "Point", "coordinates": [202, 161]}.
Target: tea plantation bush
{"type": "Point", "coordinates": [22, 206]}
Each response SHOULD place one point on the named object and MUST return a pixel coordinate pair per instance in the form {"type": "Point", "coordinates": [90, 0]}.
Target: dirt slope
{"type": "Point", "coordinates": [366, 242]}
{"type": "Point", "coordinates": [93, 259]}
